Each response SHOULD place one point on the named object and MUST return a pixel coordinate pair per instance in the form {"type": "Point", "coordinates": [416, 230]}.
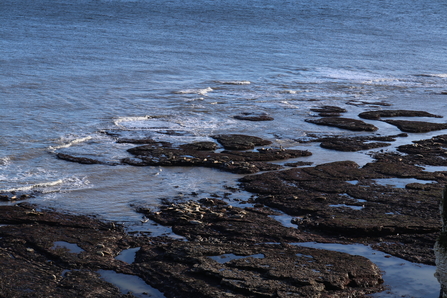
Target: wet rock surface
{"type": "Point", "coordinates": [242, 251]}
{"type": "Point", "coordinates": [329, 111]}
{"type": "Point", "coordinates": [417, 126]}
{"type": "Point", "coordinates": [240, 142]}
{"type": "Point", "coordinates": [200, 154]}
{"type": "Point", "coordinates": [352, 144]}
{"type": "Point", "coordinates": [376, 115]}
{"type": "Point", "coordinates": [36, 264]}
{"type": "Point", "coordinates": [344, 123]}
{"type": "Point", "coordinates": [344, 199]}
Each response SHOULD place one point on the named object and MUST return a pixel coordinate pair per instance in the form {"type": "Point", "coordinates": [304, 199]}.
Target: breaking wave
{"type": "Point", "coordinates": [203, 91]}
{"type": "Point", "coordinates": [70, 143]}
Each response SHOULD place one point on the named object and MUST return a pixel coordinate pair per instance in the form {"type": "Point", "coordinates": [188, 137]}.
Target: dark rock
{"type": "Point", "coordinates": [376, 115]}
{"type": "Point", "coordinates": [344, 123]}
{"type": "Point", "coordinates": [240, 142]}
{"type": "Point", "coordinates": [194, 155]}
{"type": "Point", "coordinates": [34, 264]}
{"type": "Point", "coordinates": [351, 145]}
{"type": "Point", "coordinates": [136, 141]}
{"type": "Point", "coordinates": [361, 209]}
{"type": "Point", "coordinates": [82, 160]}
{"type": "Point", "coordinates": [263, 270]}
{"type": "Point", "coordinates": [417, 126]}
{"type": "Point", "coordinates": [357, 143]}
{"type": "Point", "coordinates": [200, 146]}
{"type": "Point", "coordinates": [254, 117]}
{"type": "Point", "coordinates": [298, 164]}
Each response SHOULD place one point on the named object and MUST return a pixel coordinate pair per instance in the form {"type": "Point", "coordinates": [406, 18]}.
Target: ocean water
{"type": "Point", "coordinates": [72, 70]}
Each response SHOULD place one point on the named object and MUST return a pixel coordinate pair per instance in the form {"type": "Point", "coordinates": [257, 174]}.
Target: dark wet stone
{"type": "Point", "coordinates": [194, 155]}
{"type": "Point", "coordinates": [426, 152]}
{"type": "Point", "coordinates": [329, 111]}
{"type": "Point", "coordinates": [17, 196]}
{"type": "Point", "coordinates": [200, 146]}
{"type": "Point", "coordinates": [375, 115]}
{"type": "Point", "coordinates": [328, 202]}
{"type": "Point", "coordinates": [344, 123]}
{"type": "Point", "coordinates": [136, 141]}
{"type": "Point", "coordinates": [298, 164]}
{"type": "Point", "coordinates": [34, 266]}
{"type": "Point", "coordinates": [417, 126]}
{"type": "Point", "coordinates": [263, 270]}
{"type": "Point", "coordinates": [254, 117]}
{"type": "Point", "coordinates": [352, 144]}
{"type": "Point", "coordinates": [240, 142]}
{"type": "Point", "coordinates": [82, 160]}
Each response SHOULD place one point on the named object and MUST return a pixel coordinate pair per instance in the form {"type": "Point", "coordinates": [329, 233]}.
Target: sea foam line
{"type": "Point", "coordinates": [34, 186]}
{"type": "Point", "coordinates": [71, 143]}
{"type": "Point", "coordinates": [235, 82]}
{"type": "Point", "coordinates": [195, 91]}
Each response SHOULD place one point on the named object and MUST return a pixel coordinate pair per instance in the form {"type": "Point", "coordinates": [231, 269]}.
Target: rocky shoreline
{"type": "Point", "coordinates": [338, 202]}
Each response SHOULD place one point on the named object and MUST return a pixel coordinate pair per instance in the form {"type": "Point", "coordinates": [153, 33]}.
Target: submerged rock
{"type": "Point", "coordinates": [329, 111]}
{"type": "Point", "coordinates": [254, 117]}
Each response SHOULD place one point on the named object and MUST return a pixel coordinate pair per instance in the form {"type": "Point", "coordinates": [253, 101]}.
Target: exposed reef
{"type": "Point", "coordinates": [344, 123]}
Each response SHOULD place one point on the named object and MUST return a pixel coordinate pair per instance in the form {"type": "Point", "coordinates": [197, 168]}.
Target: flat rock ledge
{"type": "Point", "coordinates": [35, 262]}
{"type": "Point", "coordinates": [352, 144]}
{"type": "Point", "coordinates": [344, 123]}
{"type": "Point", "coordinates": [201, 154]}
{"type": "Point", "coordinates": [376, 115]}
{"type": "Point", "coordinates": [344, 199]}
{"type": "Point", "coordinates": [417, 126]}
{"type": "Point", "coordinates": [329, 111]}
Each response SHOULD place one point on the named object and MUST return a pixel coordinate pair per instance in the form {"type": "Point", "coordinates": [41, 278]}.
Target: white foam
{"type": "Point", "coordinates": [235, 82]}
{"type": "Point", "coordinates": [33, 186]}
{"type": "Point", "coordinates": [70, 143]}
{"type": "Point", "coordinates": [146, 122]}
{"type": "Point", "coordinates": [51, 186]}
{"type": "Point", "coordinates": [203, 91]}
{"type": "Point", "coordinates": [5, 161]}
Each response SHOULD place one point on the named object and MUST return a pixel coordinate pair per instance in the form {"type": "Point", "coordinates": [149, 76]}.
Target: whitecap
{"type": "Point", "coordinates": [235, 82]}
{"type": "Point", "coordinates": [4, 161]}
{"type": "Point", "coordinates": [51, 186]}
{"type": "Point", "coordinates": [70, 143]}
{"type": "Point", "coordinates": [146, 122]}
{"type": "Point", "coordinates": [37, 186]}
{"type": "Point", "coordinates": [203, 91]}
